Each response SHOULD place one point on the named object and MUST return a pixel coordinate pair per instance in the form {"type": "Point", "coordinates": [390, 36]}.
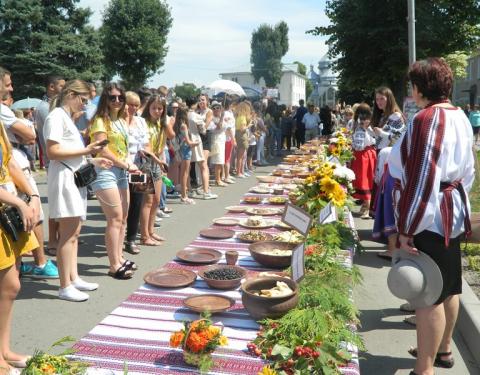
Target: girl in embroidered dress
{"type": "Point", "coordinates": [363, 163]}
{"type": "Point", "coordinates": [433, 168]}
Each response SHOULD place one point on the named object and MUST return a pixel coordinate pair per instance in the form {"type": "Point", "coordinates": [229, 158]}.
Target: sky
{"type": "Point", "coordinates": [210, 37]}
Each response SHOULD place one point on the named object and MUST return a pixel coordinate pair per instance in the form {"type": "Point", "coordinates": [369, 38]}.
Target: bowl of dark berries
{"type": "Point", "coordinates": [221, 276]}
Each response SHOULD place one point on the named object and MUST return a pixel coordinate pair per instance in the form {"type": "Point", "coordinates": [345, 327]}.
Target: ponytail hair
{"type": "Point", "coordinates": [76, 87]}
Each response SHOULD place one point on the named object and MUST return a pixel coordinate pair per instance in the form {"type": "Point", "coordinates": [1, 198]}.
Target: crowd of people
{"type": "Point", "coordinates": [141, 147]}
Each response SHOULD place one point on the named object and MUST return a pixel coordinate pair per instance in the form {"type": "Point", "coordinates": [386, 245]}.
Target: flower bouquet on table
{"type": "Point", "coordinates": [327, 183]}
{"type": "Point", "coordinates": [340, 146]}
{"type": "Point", "coordinates": [198, 340]}
{"type": "Point", "coordinates": [46, 363]}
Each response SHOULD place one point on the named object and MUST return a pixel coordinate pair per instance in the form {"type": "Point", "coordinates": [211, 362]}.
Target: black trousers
{"type": "Point", "coordinates": [288, 137]}
{"type": "Point", "coordinates": [133, 219]}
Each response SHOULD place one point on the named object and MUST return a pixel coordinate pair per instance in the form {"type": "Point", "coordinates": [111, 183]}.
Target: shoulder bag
{"type": "Point", "coordinates": [84, 175]}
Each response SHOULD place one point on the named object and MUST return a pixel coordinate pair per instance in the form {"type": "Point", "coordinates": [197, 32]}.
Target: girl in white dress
{"type": "Point", "coordinates": [67, 202]}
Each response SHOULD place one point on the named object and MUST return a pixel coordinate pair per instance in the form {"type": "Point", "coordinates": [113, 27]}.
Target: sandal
{"type": "Point", "coordinates": [131, 248]}
{"type": "Point", "coordinates": [130, 265]}
{"type": "Point", "coordinates": [52, 251]}
{"type": "Point", "coordinates": [187, 201]}
{"type": "Point", "coordinates": [220, 184]}
{"type": "Point", "coordinates": [122, 273]}
{"type": "Point", "coordinates": [439, 362]}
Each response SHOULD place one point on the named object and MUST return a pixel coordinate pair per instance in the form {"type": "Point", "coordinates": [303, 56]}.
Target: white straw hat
{"type": "Point", "coordinates": [415, 278]}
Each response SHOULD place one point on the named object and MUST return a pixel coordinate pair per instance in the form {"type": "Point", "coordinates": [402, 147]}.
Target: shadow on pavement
{"type": "Point", "coordinates": [373, 320]}
{"type": "Point", "coordinates": [385, 365]}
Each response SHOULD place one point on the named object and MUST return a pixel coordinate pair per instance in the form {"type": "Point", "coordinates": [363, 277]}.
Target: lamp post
{"type": "Point", "coordinates": [411, 32]}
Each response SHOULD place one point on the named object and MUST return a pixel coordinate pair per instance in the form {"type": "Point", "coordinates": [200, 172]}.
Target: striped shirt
{"type": "Point", "coordinates": [437, 147]}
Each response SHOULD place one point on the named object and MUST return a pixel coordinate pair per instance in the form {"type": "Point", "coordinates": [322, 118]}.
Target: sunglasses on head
{"type": "Point", "coordinates": [114, 98]}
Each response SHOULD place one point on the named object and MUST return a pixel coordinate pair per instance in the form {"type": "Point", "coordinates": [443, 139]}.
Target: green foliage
{"type": "Point", "coordinates": [472, 249]}
{"type": "Point", "coordinates": [324, 314]}
{"type": "Point", "coordinates": [458, 62]}
{"type": "Point", "coordinates": [474, 195]}
{"type": "Point", "coordinates": [186, 89]}
{"type": "Point", "coordinates": [40, 38]}
{"type": "Point", "coordinates": [134, 35]}
{"type": "Point", "coordinates": [302, 69]}
{"type": "Point", "coordinates": [370, 41]}
{"type": "Point", "coordinates": [46, 363]}
{"type": "Point", "coordinates": [474, 263]}
{"type": "Point", "coordinates": [269, 44]}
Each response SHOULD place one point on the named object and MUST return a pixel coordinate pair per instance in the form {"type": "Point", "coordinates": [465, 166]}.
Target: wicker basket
{"type": "Point", "coordinates": [194, 359]}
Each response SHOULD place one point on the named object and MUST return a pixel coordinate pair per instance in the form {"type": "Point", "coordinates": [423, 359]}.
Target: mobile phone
{"type": "Point", "coordinates": [104, 142]}
{"type": "Point", "coordinates": [137, 178]}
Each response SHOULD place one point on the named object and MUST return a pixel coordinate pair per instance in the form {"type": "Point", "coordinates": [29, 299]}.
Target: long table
{"type": "Point", "coordinates": [136, 334]}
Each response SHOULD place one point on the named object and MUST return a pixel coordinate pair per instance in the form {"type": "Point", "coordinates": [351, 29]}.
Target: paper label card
{"type": "Point", "coordinates": [328, 214]}
{"type": "Point", "coordinates": [297, 218]}
{"type": "Point", "coordinates": [298, 263]}
{"type": "Point", "coordinates": [334, 160]}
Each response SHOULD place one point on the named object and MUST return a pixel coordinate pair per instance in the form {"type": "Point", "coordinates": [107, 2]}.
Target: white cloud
{"type": "Point", "coordinates": [213, 36]}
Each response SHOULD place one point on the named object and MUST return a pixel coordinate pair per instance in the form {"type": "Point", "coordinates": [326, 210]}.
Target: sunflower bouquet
{"type": "Point", "coordinates": [340, 146]}
{"type": "Point", "coordinates": [199, 339]}
{"type": "Point", "coordinates": [328, 182]}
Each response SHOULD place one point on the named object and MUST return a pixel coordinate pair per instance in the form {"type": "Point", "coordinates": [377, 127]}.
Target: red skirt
{"type": "Point", "coordinates": [363, 164]}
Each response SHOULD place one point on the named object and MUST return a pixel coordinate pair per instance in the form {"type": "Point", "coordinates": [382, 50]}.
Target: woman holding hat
{"type": "Point", "coordinates": [433, 168]}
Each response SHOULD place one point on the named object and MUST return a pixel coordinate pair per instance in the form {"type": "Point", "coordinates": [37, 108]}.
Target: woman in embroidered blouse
{"type": "Point", "coordinates": [111, 185]}
{"type": "Point", "coordinates": [387, 120]}
{"type": "Point", "coordinates": [155, 114]}
{"type": "Point", "coordinates": [433, 167]}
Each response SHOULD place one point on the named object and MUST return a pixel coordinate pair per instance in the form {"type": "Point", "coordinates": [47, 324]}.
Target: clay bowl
{"type": "Point", "coordinates": [268, 307]}
{"type": "Point", "coordinates": [222, 284]}
{"type": "Point", "coordinates": [259, 251]}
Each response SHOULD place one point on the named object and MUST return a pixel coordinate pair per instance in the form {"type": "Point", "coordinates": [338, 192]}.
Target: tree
{"type": "Point", "coordinates": [370, 42]}
{"type": "Point", "coordinates": [186, 90]}
{"type": "Point", "coordinates": [47, 37]}
{"type": "Point", "coordinates": [302, 69]}
{"type": "Point", "coordinates": [269, 44]}
{"type": "Point", "coordinates": [135, 39]}
{"type": "Point", "coordinates": [458, 63]}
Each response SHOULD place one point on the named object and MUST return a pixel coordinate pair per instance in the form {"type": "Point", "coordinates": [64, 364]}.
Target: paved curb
{"type": "Point", "coordinates": [468, 323]}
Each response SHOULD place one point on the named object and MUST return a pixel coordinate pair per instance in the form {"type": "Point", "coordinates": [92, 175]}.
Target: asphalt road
{"type": "Point", "coordinates": [40, 318]}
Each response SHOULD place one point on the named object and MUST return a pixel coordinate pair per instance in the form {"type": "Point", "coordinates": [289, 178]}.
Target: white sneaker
{"type": "Point", "coordinates": [162, 214]}
{"type": "Point", "coordinates": [70, 293]}
{"type": "Point", "coordinates": [158, 219]}
{"type": "Point", "coordinates": [80, 284]}
{"type": "Point", "coordinates": [207, 196]}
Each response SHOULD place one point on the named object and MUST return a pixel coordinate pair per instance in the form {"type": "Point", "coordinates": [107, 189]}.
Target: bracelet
{"type": "Point", "coordinates": [35, 195]}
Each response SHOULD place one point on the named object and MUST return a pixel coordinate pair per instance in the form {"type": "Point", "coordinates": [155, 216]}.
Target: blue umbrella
{"type": "Point", "coordinates": [26, 103]}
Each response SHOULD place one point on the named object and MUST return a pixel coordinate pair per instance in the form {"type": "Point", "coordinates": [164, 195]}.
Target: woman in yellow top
{"type": "Point", "coordinates": [111, 185]}
{"type": "Point", "coordinates": [11, 177]}
{"type": "Point", "coordinates": [243, 117]}
{"type": "Point", "coordinates": [155, 114]}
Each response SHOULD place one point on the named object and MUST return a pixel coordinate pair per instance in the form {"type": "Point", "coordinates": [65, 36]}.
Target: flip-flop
{"type": "Point", "coordinates": [384, 255]}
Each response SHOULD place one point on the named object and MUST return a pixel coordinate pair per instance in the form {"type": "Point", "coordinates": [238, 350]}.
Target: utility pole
{"type": "Point", "coordinates": [412, 54]}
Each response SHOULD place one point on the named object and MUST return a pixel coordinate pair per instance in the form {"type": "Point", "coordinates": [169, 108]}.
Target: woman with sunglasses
{"type": "Point", "coordinates": [155, 114]}
{"type": "Point", "coordinates": [68, 203]}
{"type": "Point", "coordinates": [111, 185]}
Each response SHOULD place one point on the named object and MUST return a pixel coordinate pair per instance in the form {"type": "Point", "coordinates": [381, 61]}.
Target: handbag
{"type": "Point", "coordinates": [145, 166]}
{"type": "Point", "coordinates": [84, 175]}
{"type": "Point", "coordinates": [11, 220]}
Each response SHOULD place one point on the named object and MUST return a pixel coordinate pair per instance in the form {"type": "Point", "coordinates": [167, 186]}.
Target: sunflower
{"type": "Point", "coordinates": [267, 370]}
{"type": "Point", "coordinates": [328, 185]}
{"type": "Point", "coordinates": [212, 332]}
{"type": "Point", "coordinates": [223, 340]}
{"type": "Point", "coordinates": [338, 196]}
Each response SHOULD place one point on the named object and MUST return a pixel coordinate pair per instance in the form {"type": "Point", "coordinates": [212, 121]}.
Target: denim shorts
{"type": "Point", "coordinates": [185, 152]}
{"type": "Point", "coordinates": [110, 178]}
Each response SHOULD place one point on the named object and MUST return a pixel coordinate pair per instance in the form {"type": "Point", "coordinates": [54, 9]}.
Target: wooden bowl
{"type": "Point", "coordinates": [259, 251]}
{"type": "Point", "coordinates": [261, 307]}
{"type": "Point", "coordinates": [222, 284]}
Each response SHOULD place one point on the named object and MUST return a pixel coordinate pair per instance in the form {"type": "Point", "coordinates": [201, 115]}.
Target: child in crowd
{"type": "Point", "coordinates": [183, 151]}
{"type": "Point", "coordinates": [365, 157]}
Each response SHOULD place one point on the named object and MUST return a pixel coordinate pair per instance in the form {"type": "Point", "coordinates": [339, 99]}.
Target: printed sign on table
{"type": "Point", "coordinates": [328, 214]}
{"type": "Point", "coordinates": [298, 263]}
{"type": "Point", "coordinates": [297, 218]}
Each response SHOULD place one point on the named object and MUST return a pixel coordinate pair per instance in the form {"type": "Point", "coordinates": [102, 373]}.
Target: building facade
{"type": "Point", "coordinates": [290, 90]}
{"type": "Point", "coordinates": [324, 84]}
{"type": "Point", "coordinates": [467, 91]}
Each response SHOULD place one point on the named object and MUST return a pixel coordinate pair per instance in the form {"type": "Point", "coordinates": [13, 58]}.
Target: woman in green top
{"type": "Point", "coordinates": [111, 185]}
{"type": "Point", "coordinates": [474, 117]}
{"type": "Point", "coordinates": [155, 114]}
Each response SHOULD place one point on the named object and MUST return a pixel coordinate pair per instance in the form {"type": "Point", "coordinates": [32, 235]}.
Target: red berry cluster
{"type": "Point", "coordinates": [305, 351]}
{"type": "Point", "coordinates": [253, 349]}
